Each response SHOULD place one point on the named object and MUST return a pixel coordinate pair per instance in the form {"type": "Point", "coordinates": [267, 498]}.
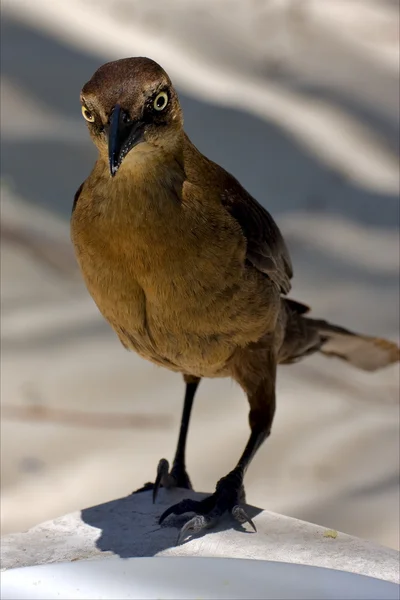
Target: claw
{"type": "Point", "coordinates": [179, 509]}
{"type": "Point", "coordinates": [195, 525]}
{"type": "Point", "coordinates": [240, 515]}
{"type": "Point", "coordinates": [162, 472]}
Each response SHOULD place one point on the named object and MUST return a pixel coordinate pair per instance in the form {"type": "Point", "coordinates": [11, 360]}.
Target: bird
{"type": "Point", "coordinates": [191, 272]}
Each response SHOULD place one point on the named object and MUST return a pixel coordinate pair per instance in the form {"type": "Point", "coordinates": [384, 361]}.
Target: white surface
{"type": "Point", "coordinates": [190, 578]}
{"type": "Point", "coordinates": [128, 528]}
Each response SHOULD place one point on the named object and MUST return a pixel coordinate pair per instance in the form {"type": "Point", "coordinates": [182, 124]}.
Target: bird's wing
{"type": "Point", "coordinates": [266, 249]}
{"type": "Point", "coordinates": [76, 197]}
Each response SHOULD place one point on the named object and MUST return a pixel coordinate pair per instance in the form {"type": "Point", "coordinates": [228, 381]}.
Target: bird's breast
{"type": "Point", "coordinates": [174, 288]}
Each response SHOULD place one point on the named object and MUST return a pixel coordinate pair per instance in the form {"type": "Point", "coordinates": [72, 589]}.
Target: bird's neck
{"type": "Point", "coordinates": [149, 182]}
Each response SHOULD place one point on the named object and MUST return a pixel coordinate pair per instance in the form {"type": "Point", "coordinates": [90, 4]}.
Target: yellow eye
{"type": "Point", "coordinates": [87, 114]}
{"type": "Point", "coordinates": [160, 101]}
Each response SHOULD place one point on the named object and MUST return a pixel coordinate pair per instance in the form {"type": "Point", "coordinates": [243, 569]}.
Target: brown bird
{"type": "Point", "coordinates": [189, 270]}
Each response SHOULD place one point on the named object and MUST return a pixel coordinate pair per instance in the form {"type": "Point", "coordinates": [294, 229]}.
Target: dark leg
{"type": "Point", "coordinates": [229, 493]}
{"type": "Point", "coordinates": [178, 476]}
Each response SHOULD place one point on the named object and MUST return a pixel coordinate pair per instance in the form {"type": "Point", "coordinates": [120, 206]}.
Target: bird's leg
{"type": "Point", "coordinates": [229, 494]}
{"type": "Point", "coordinates": [177, 476]}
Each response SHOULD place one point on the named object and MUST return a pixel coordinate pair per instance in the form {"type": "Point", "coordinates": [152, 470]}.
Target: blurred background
{"type": "Point", "coordinates": [300, 100]}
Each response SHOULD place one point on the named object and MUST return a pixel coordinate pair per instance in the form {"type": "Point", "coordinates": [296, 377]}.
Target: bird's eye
{"type": "Point", "coordinates": [87, 114]}
{"type": "Point", "coordinates": [160, 101]}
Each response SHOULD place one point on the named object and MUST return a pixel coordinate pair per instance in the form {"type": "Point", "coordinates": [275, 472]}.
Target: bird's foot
{"type": "Point", "coordinates": [228, 496]}
{"type": "Point", "coordinates": [177, 477]}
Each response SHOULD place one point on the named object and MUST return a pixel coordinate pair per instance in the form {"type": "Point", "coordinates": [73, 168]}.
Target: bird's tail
{"type": "Point", "coordinates": [362, 351]}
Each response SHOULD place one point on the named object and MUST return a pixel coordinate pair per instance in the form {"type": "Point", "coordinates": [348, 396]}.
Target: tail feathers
{"type": "Point", "coordinates": [364, 352]}
{"type": "Point", "coordinates": [297, 307]}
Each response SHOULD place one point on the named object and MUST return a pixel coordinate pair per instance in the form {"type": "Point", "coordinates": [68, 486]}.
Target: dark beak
{"type": "Point", "coordinates": [123, 135]}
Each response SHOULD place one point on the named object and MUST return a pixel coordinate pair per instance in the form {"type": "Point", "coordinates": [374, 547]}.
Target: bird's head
{"type": "Point", "coordinates": [131, 109]}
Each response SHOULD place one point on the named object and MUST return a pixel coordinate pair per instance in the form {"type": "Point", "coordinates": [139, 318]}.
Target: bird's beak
{"type": "Point", "coordinates": [123, 135]}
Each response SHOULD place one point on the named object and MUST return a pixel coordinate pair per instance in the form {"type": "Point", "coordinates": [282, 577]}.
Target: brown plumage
{"type": "Point", "coordinates": [188, 269]}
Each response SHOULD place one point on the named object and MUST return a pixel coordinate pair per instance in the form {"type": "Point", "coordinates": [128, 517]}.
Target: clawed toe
{"type": "Point", "coordinates": [181, 508]}
{"type": "Point", "coordinates": [195, 525]}
{"type": "Point", "coordinates": [226, 499]}
{"type": "Point", "coordinates": [162, 477]}
{"type": "Point", "coordinates": [177, 477]}
{"type": "Point", "coordinates": [241, 516]}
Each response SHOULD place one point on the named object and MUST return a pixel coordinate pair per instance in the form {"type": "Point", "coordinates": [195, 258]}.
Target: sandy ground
{"type": "Point", "coordinates": [300, 101]}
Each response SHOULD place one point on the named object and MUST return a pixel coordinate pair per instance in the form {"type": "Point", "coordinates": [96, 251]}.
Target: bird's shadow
{"type": "Point", "coordinates": [129, 526]}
